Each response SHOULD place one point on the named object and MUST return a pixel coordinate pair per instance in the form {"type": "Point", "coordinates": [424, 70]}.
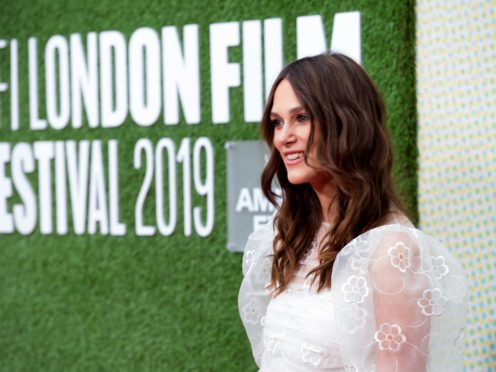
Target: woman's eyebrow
{"type": "Point", "coordinates": [291, 111]}
{"type": "Point", "coordinates": [296, 109]}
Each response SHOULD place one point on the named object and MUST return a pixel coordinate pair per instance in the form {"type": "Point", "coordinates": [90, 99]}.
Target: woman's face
{"type": "Point", "coordinates": [292, 125]}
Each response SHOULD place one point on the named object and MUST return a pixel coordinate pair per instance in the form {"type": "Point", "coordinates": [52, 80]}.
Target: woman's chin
{"type": "Point", "coordinates": [297, 180]}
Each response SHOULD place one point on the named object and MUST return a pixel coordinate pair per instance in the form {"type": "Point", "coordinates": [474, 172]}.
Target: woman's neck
{"type": "Point", "coordinates": [326, 193]}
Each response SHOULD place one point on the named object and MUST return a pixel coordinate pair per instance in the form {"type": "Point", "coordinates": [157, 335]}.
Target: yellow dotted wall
{"type": "Point", "coordinates": [456, 91]}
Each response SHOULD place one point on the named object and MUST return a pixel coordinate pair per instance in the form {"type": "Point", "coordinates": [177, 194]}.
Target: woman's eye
{"type": "Point", "coordinates": [276, 123]}
{"type": "Point", "coordinates": [303, 117]}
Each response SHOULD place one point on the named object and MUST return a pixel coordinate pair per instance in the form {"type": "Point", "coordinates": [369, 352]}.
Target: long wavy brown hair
{"type": "Point", "coordinates": [354, 152]}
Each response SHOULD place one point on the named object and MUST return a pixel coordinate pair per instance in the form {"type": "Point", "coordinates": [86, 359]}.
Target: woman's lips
{"type": "Point", "coordinates": [290, 160]}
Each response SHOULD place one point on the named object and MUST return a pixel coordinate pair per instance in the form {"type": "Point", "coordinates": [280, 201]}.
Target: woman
{"type": "Point", "coordinates": [341, 280]}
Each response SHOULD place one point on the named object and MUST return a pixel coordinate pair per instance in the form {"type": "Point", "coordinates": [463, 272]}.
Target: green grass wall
{"type": "Point", "coordinates": [134, 303]}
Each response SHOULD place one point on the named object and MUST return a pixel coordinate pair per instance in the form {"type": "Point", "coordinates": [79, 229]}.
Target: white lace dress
{"type": "Point", "coordinates": [398, 303]}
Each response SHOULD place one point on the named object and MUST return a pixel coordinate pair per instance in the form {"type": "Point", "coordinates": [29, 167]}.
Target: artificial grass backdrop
{"type": "Point", "coordinates": [102, 303]}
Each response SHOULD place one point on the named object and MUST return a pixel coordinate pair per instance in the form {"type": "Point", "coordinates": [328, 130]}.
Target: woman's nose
{"type": "Point", "coordinates": [285, 134]}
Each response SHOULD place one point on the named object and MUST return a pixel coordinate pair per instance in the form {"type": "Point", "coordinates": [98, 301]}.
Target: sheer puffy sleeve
{"type": "Point", "coordinates": [253, 295]}
{"type": "Point", "coordinates": [400, 302]}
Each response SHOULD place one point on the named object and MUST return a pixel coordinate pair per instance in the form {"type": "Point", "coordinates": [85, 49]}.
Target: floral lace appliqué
{"type": "Point", "coordinates": [439, 266]}
{"type": "Point", "coordinates": [390, 337]}
{"type": "Point", "coordinates": [250, 312]}
{"type": "Point", "coordinates": [355, 318]}
{"type": "Point", "coordinates": [263, 271]}
{"type": "Point", "coordinates": [359, 259]}
{"type": "Point", "coordinates": [432, 302]}
{"type": "Point", "coordinates": [355, 289]}
{"type": "Point", "coordinates": [312, 354]}
{"type": "Point", "coordinates": [400, 256]}
{"type": "Point", "coordinates": [249, 258]}
{"type": "Point", "coordinates": [271, 345]}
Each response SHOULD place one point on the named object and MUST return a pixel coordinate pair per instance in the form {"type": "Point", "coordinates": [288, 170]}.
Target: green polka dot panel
{"type": "Point", "coordinates": [456, 102]}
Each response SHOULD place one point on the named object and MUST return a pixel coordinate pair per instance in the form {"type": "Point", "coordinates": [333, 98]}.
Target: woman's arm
{"type": "Point", "coordinates": [400, 303]}
{"type": "Point", "coordinates": [402, 329]}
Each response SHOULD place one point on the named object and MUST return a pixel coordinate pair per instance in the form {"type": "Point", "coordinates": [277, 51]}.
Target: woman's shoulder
{"type": "Point", "coordinates": [397, 280]}
{"type": "Point", "coordinates": [403, 254]}
{"type": "Point", "coordinates": [398, 230]}
{"type": "Point", "coordinates": [398, 241]}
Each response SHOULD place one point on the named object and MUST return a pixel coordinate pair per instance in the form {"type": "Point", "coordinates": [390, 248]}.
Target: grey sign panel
{"type": "Point", "coordinates": [247, 207]}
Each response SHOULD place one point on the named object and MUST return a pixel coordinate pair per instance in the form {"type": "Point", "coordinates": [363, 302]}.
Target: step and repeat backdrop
{"type": "Point", "coordinates": [456, 93]}
{"type": "Point", "coordinates": [126, 181]}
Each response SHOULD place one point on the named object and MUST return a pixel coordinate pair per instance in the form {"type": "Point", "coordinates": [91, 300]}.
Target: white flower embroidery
{"type": "Point", "coordinates": [389, 337]}
{"type": "Point", "coordinates": [359, 264]}
{"type": "Point", "coordinates": [440, 267]}
{"type": "Point", "coordinates": [355, 318]}
{"type": "Point", "coordinates": [400, 256]}
{"type": "Point", "coordinates": [271, 345]}
{"type": "Point", "coordinates": [249, 258]}
{"type": "Point", "coordinates": [350, 368]}
{"type": "Point", "coordinates": [250, 312]}
{"type": "Point", "coordinates": [312, 354]}
{"type": "Point", "coordinates": [263, 272]}
{"type": "Point", "coordinates": [355, 289]}
{"type": "Point", "coordinates": [432, 302]}
{"type": "Point", "coordinates": [262, 321]}
{"type": "Point", "coordinates": [359, 259]}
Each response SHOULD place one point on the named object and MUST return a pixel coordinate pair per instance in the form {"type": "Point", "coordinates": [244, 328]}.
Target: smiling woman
{"type": "Point", "coordinates": [341, 279]}
{"type": "Point", "coordinates": [292, 127]}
